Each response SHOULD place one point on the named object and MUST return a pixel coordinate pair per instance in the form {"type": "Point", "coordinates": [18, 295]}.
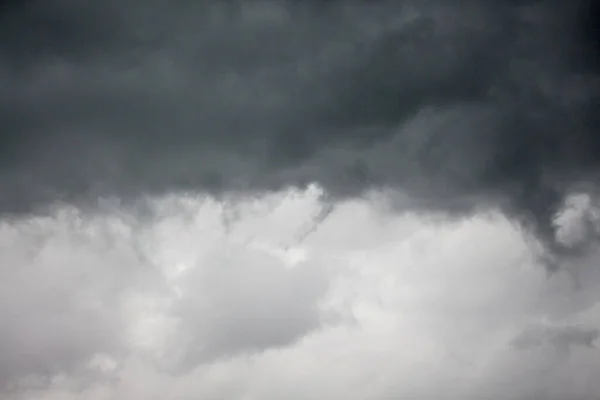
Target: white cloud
{"type": "Point", "coordinates": [197, 301]}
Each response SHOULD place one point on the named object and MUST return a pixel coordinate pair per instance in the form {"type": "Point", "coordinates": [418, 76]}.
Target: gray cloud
{"type": "Point", "coordinates": [54, 319]}
{"type": "Point", "coordinates": [560, 337]}
{"type": "Point", "coordinates": [78, 288]}
{"type": "Point", "coordinates": [246, 303]}
{"type": "Point", "coordinates": [182, 304]}
{"type": "Point", "coordinates": [459, 107]}
{"type": "Point", "coordinates": [465, 105]}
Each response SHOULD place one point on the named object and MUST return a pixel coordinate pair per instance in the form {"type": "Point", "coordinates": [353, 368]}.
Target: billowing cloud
{"type": "Point", "coordinates": [372, 305]}
{"type": "Point", "coordinates": [240, 199]}
{"type": "Point", "coordinates": [83, 290]}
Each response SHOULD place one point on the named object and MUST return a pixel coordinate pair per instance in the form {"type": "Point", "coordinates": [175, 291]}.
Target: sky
{"type": "Point", "coordinates": [297, 199]}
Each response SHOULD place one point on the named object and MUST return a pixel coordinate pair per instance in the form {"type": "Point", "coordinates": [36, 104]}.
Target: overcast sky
{"type": "Point", "coordinates": [363, 200]}
{"type": "Point", "coordinates": [191, 303]}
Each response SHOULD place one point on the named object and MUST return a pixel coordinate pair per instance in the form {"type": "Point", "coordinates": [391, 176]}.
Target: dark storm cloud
{"type": "Point", "coordinates": [460, 104]}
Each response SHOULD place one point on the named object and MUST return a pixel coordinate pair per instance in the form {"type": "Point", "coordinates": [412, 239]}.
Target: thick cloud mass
{"type": "Point", "coordinates": [78, 289]}
{"type": "Point", "coordinates": [156, 240]}
{"type": "Point", "coordinates": [458, 104]}
{"type": "Point", "coordinates": [372, 305]}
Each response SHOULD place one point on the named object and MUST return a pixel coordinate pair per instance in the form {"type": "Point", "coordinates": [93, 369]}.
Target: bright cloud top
{"type": "Point", "coordinates": [205, 299]}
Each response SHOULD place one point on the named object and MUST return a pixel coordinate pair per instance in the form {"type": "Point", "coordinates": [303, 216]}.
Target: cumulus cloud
{"type": "Point", "coordinates": [82, 291]}
{"type": "Point", "coordinates": [373, 305]}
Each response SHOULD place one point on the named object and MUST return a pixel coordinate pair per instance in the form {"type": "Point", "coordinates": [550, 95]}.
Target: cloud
{"type": "Point", "coordinates": [61, 283]}
{"type": "Point", "coordinates": [82, 292]}
{"type": "Point", "coordinates": [420, 309]}
{"type": "Point", "coordinates": [157, 241]}
{"type": "Point", "coordinates": [461, 107]}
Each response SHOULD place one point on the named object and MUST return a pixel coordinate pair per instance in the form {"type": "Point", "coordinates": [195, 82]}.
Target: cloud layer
{"type": "Point", "coordinates": [467, 105]}
{"type": "Point", "coordinates": [239, 199]}
{"type": "Point", "coordinates": [371, 306]}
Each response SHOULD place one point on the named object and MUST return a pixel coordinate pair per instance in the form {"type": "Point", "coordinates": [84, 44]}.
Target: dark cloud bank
{"type": "Point", "coordinates": [458, 104]}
